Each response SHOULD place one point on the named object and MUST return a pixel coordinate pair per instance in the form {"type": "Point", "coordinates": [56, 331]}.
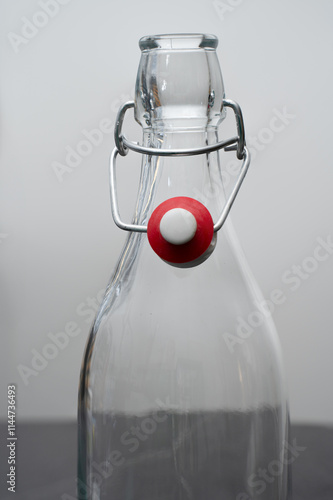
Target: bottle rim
{"type": "Point", "coordinates": [178, 41]}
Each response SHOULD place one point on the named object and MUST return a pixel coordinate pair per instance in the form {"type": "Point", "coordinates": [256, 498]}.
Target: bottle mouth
{"type": "Point", "coordinates": [179, 41]}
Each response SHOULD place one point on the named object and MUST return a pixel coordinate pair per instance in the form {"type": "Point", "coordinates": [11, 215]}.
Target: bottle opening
{"type": "Point", "coordinates": [179, 83]}
{"type": "Point", "coordinates": [179, 41]}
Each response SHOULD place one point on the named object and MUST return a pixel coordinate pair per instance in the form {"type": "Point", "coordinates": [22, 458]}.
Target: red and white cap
{"type": "Point", "coordinates": [181, 231]}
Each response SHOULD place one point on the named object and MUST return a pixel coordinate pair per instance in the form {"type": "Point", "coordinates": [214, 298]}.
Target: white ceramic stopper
{"type": "Point", "coordinates": [178, 226]}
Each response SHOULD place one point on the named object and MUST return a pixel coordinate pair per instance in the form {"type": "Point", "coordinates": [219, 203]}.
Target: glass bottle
{"type": "Point", "coordinates": [182, 393]}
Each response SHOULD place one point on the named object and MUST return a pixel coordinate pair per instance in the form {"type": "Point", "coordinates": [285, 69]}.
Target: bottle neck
{"type": "Point", "coordinates": [195, 176]}
{"type": "Point", "coordinates": [162, 178]}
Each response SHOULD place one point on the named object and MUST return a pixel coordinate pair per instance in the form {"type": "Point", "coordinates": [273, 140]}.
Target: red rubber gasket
{"type": "Point", "coordinates": [180, 254]}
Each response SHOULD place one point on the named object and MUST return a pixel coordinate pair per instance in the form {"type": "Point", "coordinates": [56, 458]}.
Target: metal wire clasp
{"type": "Point", "coordinates": [123, 145]}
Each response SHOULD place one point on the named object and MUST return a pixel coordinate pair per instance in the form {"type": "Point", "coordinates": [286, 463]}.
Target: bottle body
{"type": "Point", "coordinates": [180, 397]}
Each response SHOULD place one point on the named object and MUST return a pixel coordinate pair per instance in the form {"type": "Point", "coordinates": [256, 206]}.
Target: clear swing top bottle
{"type": "Point", "coordinates": [180, 396]}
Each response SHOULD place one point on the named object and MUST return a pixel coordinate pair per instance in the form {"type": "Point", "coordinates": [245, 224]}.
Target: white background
{"type": "Point", "coordinates": [58, 243]}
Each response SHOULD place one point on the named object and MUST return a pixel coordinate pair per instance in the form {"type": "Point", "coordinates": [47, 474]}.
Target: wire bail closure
{"type": "Point", "coordinates": [123, 145]}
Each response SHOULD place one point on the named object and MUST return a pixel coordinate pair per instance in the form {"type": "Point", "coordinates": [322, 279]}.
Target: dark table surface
{"type": "Point", "coordinates": [46, 468]}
